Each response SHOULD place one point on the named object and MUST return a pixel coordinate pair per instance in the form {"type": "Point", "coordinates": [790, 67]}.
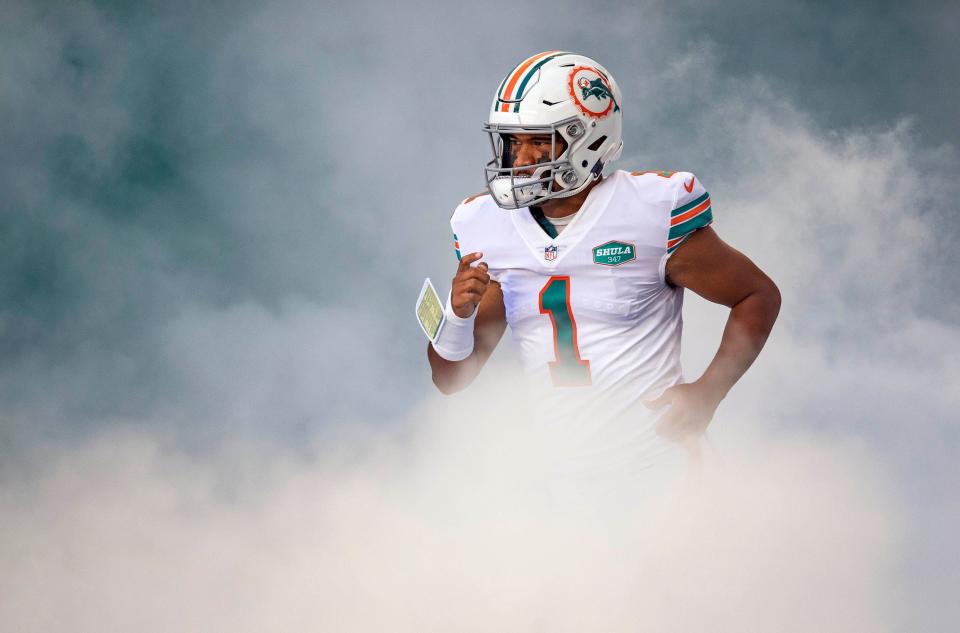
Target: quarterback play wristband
{"type": "Point", "coordinates": [429, 311]}
{"type": "Point", "coordinates": [455, 340]}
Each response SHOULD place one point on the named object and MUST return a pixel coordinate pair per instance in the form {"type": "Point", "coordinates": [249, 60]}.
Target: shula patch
{"type": "Point", "coordinates": [614, 253]}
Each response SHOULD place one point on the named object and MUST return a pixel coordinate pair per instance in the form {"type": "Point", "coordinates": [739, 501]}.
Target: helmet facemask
{"type": "Point", "coordinates": [553, 178]}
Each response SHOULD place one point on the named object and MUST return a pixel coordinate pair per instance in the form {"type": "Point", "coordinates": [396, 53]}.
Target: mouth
{"type": "Point", "coordinates": [531, 172]}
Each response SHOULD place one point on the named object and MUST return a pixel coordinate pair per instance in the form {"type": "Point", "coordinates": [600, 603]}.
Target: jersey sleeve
{"type": "Point", "coordinates": [476, 227]}
{"type": "Point", "coordinates": [459, 218]}
{"type": "Point", "coordinates": [456, 243]}
{"type": "Point", "coordinates": [463, 226]}
{"type": "Point", "coordinates": [690, 210]}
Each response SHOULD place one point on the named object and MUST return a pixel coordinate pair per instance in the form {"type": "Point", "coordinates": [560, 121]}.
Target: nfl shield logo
{"type": "Point", "coordinates": [550, 253]}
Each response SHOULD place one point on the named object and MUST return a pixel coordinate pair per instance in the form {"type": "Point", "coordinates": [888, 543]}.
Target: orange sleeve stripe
{"type": "Point", "coordinates": [474, 197]}
{"type": "Point", "coordinates": [671, 244]}
{"type": "Point", "coordinates": [697, 210]}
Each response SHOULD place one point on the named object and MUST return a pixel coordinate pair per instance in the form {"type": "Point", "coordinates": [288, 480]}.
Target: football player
{"type": "Point", "coordinates": [589, 271]}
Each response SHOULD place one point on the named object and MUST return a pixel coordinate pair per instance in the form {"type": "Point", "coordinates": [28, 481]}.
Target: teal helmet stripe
{"type": "Point", "coordinates": [502, 97]}
{"type": "Point", "coordinates": [530, 73]}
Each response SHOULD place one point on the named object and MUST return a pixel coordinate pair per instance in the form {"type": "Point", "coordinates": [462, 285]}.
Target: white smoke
{"type": "Point", "coordinates": [443, 527]}
{"type": "Point", "coordinates": [828, 503]}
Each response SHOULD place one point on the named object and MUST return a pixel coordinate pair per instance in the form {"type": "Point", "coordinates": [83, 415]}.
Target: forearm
{"type": "Point", "coordinates": [452, 376]}
{"type": "Point", "coordinates": [746, 331]}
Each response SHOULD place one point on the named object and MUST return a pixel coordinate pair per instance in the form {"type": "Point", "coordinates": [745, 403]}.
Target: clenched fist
{"type": "Point", "coordinates": [469, 285]}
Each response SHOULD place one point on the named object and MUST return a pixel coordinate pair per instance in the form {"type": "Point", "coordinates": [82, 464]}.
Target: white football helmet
{"type": "Point", "coordinates": [553, 93]}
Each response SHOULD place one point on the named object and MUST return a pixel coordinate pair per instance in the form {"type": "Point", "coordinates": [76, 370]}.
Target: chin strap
{"type": "Point", "coordinates": [597, 169]}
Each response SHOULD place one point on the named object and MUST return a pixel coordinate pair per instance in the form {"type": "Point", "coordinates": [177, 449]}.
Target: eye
{"type": "Point", "coordinates": [541, 143]}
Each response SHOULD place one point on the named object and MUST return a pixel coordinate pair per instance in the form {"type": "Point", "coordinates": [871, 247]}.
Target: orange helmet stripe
{"type": "Point", "coordinates": [515, 77]}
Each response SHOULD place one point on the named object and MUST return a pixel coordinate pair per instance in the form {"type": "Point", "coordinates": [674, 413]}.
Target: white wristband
{"type": "Point", "coordinates": [455, 340]}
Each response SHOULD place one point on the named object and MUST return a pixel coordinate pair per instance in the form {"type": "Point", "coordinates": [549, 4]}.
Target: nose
{"type": "Point", "coordinates": [526, 154]}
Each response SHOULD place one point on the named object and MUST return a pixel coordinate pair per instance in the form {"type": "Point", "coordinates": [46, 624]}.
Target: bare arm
{"type": "Point", "coordinates": [719, 273]}
{"type": "Point", "coordinates": [472, 289]}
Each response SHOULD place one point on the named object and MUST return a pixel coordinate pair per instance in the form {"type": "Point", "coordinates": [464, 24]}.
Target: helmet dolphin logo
{"type": "Point", "coordinates": [596, 88]}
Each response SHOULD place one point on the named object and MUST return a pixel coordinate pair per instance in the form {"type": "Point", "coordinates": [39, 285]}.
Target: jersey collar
{"type": "Point", "coordinates": [537, 239]}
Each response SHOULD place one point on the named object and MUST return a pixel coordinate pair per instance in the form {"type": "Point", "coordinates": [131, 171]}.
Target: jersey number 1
{"type": "Point", "coordinates": [568, 370]}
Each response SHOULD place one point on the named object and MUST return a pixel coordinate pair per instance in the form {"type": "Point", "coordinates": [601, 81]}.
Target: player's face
{"type": "Point", "coordinates": [530, 149]}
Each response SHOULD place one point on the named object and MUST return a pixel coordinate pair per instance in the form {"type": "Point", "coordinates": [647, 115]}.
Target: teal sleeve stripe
{"type": "Point", "coordinates": [689, 205]}
{"type": "Point", "coordinates": [682, 240]}
{"type": "Point", "coordinates": [692, 224]}
{"type": "Point", "coordinates": [677, 245]}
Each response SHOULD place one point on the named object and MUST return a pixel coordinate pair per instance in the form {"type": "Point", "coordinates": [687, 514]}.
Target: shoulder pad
{"type": "Point", "coordinates": [470, 199]}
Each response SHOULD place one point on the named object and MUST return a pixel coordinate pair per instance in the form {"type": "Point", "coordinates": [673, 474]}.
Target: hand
{"type": "Point", "coordinates": [469, 285]}
{"type": "Point", "coordinates": [692, 406]}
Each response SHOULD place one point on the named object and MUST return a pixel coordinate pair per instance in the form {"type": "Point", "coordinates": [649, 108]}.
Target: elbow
{"type": "Point", "coordinates": [771, 299]}
{"type": "Point", "coordinates": [762, 303]}
{"type": "Point", "coordinates": [449, 377]}
{"type": "Point", "coordinates": [444, 375]}
{"type": "Point", "coordinates": [444, 386]}
{"type": "Point", "coordinates": [775, 297]}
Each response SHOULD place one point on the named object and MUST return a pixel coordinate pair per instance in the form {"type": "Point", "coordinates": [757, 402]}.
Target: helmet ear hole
{"type": "Point", "coordinates": [594, 146]}
{"type": "Point", "coordinates": [560, 144]}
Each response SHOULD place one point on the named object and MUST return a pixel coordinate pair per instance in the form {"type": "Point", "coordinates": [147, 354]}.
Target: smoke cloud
{"type": "Point", "coordinates": [215, 410]}
{"type": "Point", "coordinates": [452, 525]}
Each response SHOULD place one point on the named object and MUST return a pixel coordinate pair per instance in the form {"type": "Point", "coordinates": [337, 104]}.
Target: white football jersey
{"type": "Point", "coordinates": [597, 326]}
